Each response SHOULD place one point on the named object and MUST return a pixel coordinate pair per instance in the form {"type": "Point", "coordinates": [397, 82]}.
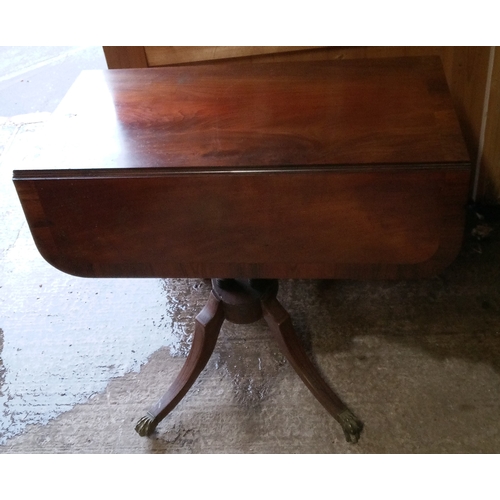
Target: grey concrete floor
{"type": "Point", "coordinates": [80, 360]}
{"type": "Point", "coordinates": [34, 79]}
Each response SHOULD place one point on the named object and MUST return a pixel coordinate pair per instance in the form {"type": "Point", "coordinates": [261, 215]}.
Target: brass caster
{"type": "Point", "coordinates": [146, 425]}
{"type": "Point", "coordinates": [351, 426]}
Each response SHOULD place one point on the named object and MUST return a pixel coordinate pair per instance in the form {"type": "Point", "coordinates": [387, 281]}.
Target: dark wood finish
{"type": "Point", "coordinates": [280, 324]}
{"type": "Point", "coordinates": [247, 302]}
{"type": "Point", "coordinates": [345, 169]}
{"type": "Point", "coordinates": [336, 169]}
{"type": "Point", "coordinates": [466, 70]}
{"type": "Point", "coordinates": [289, 224]}
{"type": "Point", "coordinates": [207, 328]}
{"type": "Point", "coordinates": [325, 113]}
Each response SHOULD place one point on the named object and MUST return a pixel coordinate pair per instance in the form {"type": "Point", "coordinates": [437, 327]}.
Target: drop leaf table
{"type": "Point", "coordinates": [247, 174]}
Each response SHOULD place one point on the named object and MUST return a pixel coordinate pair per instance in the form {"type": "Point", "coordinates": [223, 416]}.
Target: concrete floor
{"type": "Point", "coordinates": [80, 360]}
{"type": "Point", "coordinates": [34, 79]}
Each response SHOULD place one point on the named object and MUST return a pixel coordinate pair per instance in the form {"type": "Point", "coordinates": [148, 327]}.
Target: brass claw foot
{"type": "Point", "coordinates": [351, 426]}
{"type": "Point", "coordinates": [146, 425]}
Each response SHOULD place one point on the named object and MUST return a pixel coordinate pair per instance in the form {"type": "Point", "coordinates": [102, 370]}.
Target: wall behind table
{"type": "Point", "coordinates": [473, 76]}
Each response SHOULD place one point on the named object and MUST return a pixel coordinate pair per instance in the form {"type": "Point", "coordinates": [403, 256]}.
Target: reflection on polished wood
{"type": "Point", "coordinates": [334, 169]}
{"type": "Point", "coordinates": [295, 170]}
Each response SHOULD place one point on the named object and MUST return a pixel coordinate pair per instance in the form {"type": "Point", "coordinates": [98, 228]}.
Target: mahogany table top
{"type": "Point", "coordinates": [275, 170]}
{"type": "Point", "coordinates": [328, 113]}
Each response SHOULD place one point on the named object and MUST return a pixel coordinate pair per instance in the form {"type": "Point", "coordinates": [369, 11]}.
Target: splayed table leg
{"type": "Point", "coordinates": [241, 302]}
{"type": "Point", "coordinates": [206, 332]}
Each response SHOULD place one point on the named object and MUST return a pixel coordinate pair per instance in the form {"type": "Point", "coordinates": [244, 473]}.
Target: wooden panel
{"type": "Point", "coordinates": [125, 57]}
{"type": "Point", "coordinates": [163, 56]}
{"type": "Point", "coordinates": [489, 182]}
{"type": "Point", "coordinates": [468, 85]}
{"type": "Point", "coordinates": [332, 53]}
{"type": "Point", "coordinates": [287, 224]}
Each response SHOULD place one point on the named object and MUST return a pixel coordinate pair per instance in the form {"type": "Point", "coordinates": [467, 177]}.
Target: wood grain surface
{"type": "Point", "coordinates": [356, 112]}
{"type": "Point", "coordinates": [336, 169]}
{"type": "Point", "coordinates": [163, 56]}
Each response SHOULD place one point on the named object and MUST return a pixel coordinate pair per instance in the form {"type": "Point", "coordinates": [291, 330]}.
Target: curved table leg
{"type": "Point", "coordinates": [207, 328]}
{"type": "Point", "coordinates": [281, 325]}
